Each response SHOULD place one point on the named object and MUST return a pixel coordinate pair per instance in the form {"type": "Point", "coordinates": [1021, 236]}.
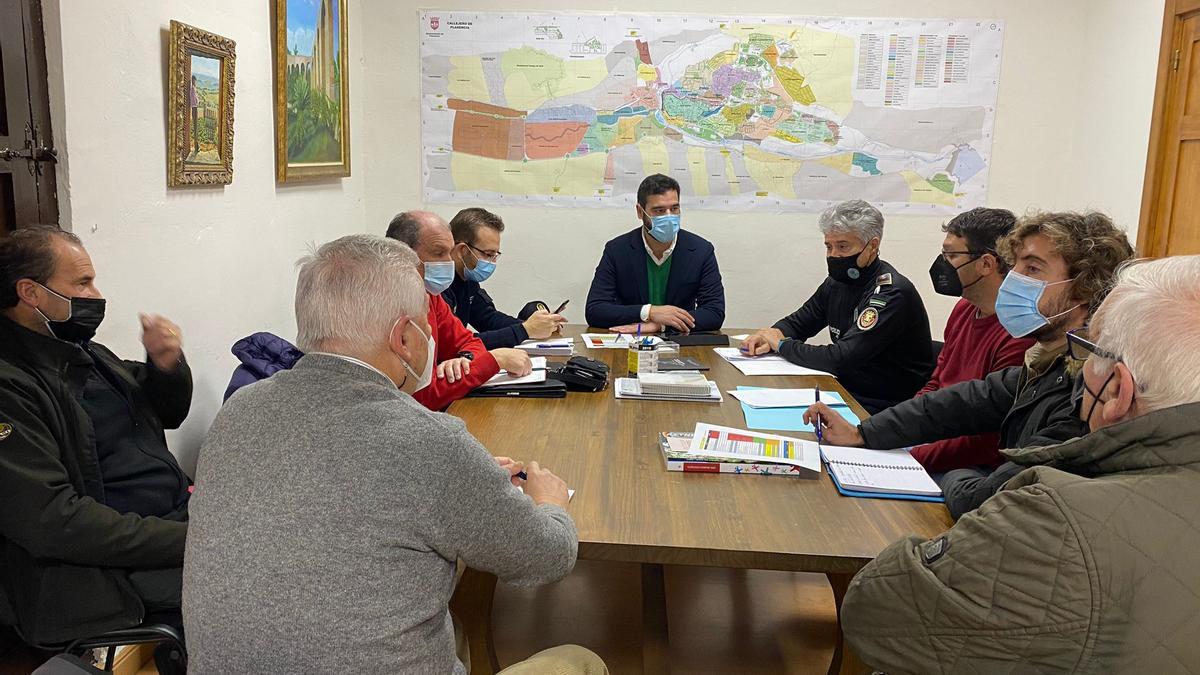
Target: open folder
{"type": "Point", "coordinates": [881, 474]}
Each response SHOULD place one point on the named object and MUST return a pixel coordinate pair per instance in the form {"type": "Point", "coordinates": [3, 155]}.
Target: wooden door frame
{"type": "Point", "coordinates": [1151, 239]}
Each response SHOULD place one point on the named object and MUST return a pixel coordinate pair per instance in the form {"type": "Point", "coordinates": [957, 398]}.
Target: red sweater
{"type": "Point", "coordinates": [453, 337]}
{"type": "Point", "coordinates": [974, 348]}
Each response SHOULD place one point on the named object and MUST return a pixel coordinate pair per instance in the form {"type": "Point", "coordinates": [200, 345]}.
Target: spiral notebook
{"type": "Point", "coordinates": [887, 474]}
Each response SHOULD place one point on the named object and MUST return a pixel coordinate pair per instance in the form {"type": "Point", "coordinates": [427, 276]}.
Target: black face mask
{"type": "Point", "coordinates": [80, 326]}
{"type": "Point", "coordinates": [1095, 397]}
{"type": "Point", "coordinates": [845, 268]}
{"type": "Point", "coordinates": [945, 277]}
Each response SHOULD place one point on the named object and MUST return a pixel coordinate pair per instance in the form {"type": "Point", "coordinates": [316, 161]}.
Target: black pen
{"type": "Point", "coordinates": [562, 306]}
{"type": "Point", "coordinates": [522, 475]}
{"type": "Point", "coordinates": [817, 390]}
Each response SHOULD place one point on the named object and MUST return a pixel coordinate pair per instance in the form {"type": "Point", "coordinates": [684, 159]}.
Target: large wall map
{"type": "Point", "coordinates": [771, 113]}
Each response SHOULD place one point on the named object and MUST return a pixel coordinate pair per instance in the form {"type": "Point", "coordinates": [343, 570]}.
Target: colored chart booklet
{"type": "Point", "coordinates": [710, 440]}
{"type": "Point", "coordinates": [888, 474]}
{"type": "Point", "coordinates": [675, 448]}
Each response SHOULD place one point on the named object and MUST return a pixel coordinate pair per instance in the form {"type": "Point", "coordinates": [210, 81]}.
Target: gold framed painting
{"type": "Point", "coordinates": [312, 103]}
{"type": "Point", "coordinates": [199, 107]}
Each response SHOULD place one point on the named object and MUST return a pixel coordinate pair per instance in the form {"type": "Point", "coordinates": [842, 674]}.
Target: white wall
{"type": "Point", "coordinates": [218, 261]}
{"type": "Point", "coordinates": [1073, 118]}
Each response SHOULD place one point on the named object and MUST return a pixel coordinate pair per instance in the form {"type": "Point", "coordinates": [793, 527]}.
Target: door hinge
{"type": "Point", "coordinates": [1175, 61]}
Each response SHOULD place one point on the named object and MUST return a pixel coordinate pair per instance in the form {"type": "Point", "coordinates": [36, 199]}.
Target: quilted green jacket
{"type": "Point", "coordinates": [1088, 562]}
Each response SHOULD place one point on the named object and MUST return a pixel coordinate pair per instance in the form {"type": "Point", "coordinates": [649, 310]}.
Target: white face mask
{"type": "Point", "coordinates": [426, 376]}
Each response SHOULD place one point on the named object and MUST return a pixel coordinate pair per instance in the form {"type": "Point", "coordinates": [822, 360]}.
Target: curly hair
{"type": "Point", "coordinates": [1089, 243]}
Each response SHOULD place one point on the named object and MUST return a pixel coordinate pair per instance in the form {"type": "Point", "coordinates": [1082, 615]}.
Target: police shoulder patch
{"type": "Point", "coordinates": [877, 302]}
{"type": "Point", "coordinates": [885, 279]}
{"type": "Point", "coordinates": [868, 318]}
{"type": "Point", "coordinates": [6, 430]}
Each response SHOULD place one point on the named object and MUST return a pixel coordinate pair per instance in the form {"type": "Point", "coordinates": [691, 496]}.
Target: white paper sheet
{"type": "Point", "coordinates": [784, 398]}
{"type": "Point", "coordinates": [767, 364]}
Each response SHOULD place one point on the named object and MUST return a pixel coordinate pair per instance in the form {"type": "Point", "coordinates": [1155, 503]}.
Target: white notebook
{"type": "Point", "coordinates": [882, 471]}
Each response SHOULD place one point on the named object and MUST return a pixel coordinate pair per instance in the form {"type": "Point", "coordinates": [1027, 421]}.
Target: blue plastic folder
{"type": "Point", "coordinates": [879, 495]}
{"type": "Point", "coordinates": [787, 419]}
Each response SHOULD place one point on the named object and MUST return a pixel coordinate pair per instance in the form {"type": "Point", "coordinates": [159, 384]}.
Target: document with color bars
{"type": "Point", "coordinates": [710, 440]}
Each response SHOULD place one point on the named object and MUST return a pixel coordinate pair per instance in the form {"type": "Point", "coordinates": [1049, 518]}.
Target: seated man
{"type": "Point", "coordinates": [476, 249]}
{"type": "Point", "coordinates": [1087, 561]}
{"type": "Point", "coordinates": [331, 507]}
{"type": "Point", "coordinates": [463, 362]}
{"type": "Point", "coordinates": [657, 276]}
{"type": "Point", "coordinates": [93, 506]}
{"type": "Point", "coordinates": [1062, 266]}
{"type": "Point", "coordinates": [976, 344]}
{"type": "Point", "coordinates": [881, 350]}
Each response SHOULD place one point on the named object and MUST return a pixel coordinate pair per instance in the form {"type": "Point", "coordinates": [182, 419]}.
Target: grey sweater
{"type": "Point", "coordinates": [329, 511]}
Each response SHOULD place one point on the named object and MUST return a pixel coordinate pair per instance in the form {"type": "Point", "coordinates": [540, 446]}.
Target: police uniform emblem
{"type": "Point", "coordinates": [868, 318]}
{"type": "Point", "coordinates": [5, 431]}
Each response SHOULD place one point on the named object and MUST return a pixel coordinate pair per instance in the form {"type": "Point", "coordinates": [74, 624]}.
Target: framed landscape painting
{"type": "Point", "coordinates": [199, 107]}
{"type": "Point", "coordinates": [312, 106]}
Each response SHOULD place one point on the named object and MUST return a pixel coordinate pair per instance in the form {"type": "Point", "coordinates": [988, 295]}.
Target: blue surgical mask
{"type": "Point", "coordinates": [483, 269]}
{"type": "Point", "coordinates": [439, 276]}
{"type": "Point", "coordinates": [665, 227]}
{"type": "Point", "coordinates": [1017, 304]}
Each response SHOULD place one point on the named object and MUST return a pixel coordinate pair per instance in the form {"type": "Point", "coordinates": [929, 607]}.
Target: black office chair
{"type": "Point", "coordinates": [937, 349]}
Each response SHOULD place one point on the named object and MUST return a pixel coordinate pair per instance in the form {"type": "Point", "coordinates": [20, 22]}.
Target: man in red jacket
{"type": "Point", "coordinates": [976, 343]}
{"type": "Point", "coordinates": [463, 362]}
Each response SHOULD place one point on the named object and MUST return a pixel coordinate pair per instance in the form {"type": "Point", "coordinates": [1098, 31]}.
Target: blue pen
{"type": "Point", "coordinates": [522, 475]}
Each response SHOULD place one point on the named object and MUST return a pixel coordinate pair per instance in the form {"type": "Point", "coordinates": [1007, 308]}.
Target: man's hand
{"type": "Point", "coordinates": [542, 324]}
{"type": "Point", "coordinates": [453, 370]}
{"type": "Point", "coordinates": [761, 342]}
{"type": "Point", "coordinates": [645, 328]}
{"type": "Point", "coordinates": [514, 361]}
{"type": "Point", "coordinates": [544, 487]}
{"type": "Point", "coordinates": [674, 317]}
{"type": "Point", "coordinates": [513, 468]}
{"type": "Point", "coordinates": [162, 341]}
{"type": "Point", "coordinates": [835, 430]}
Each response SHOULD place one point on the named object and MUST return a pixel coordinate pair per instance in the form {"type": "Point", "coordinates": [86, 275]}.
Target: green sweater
{"type": "Point", "coordinates": [657, 276]}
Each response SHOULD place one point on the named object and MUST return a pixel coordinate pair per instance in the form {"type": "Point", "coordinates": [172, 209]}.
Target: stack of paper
{"type": "Point", "coordinates": [766, 364]}
{"type": "Point", "coordinates": [894, 474]}
{"type": "Point", "coordinates": [785, 398]}
{"type": "Point", "coordinates": [684, 385]}
{"type": "Point", "coordinates": [628, 387]}
{"type": "Point", "coordinates": [787, 418]}
{"type": "Point", "coordinates": [503, 378]}
{"type": "Point", "coordinates": [553, 347]}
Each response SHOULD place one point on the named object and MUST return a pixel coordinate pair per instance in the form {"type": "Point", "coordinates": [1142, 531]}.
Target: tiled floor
{"type": "Point", "coordinates": [721, 621]}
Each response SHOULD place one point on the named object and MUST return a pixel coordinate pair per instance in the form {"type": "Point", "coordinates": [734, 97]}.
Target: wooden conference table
{"type": "Point", "coordinates": [629, 508]}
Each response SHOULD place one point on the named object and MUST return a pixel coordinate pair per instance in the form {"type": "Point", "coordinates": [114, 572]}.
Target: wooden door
{"type": "Point", "coordinates": [27, 159]}
{"type": "Point", "coordinates": [1170, 221]}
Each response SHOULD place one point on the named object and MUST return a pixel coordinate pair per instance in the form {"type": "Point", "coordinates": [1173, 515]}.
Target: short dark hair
{"type": "Point", "coordinates": [405, 228]}
{"type": "Point", "coordinates": [983, 228]}
{"type": "Point", "coordinates": [656, 184]}
{"type": "Point", "coordinates": [28, 253]}
{"type": "Point", "coordinates": [466, 224]}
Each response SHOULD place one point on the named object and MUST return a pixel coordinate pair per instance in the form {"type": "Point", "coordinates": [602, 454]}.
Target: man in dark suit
{"type": "Point", "coordinates": [657, 276]}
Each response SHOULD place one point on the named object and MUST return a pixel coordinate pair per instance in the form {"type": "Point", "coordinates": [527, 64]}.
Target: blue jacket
{"type": "Point", "coordinates": [262, 355]}
{"type": "Point", "coordinates": [620, 287]}
{"type": "Point", "coordinates": [473, 306]}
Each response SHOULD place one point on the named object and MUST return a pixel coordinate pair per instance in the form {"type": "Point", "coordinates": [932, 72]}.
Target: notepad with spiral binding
{"type": "Point", "coordinates": [881, 474]}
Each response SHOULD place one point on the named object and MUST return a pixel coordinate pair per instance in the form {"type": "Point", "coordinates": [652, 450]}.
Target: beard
{"type": "Point", "coordinates": [1057, 327]}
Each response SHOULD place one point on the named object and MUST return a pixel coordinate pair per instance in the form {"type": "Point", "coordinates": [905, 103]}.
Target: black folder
{"type": "Point", "coordinates": [698, 339]}
{"type": "Point", "coordinates": [548, 389]}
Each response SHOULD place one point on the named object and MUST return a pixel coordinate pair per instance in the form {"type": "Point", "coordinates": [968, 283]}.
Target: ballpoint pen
{"type": "Point", "coordinates": [817, 391]}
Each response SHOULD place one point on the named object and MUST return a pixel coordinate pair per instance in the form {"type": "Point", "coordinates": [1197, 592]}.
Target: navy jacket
{"type": "Point", "coordinates": [262, 355]}
{"type": "Point", "coordinates": [620, 287]}
{"type": "Point", "coordinates": [473, 306]}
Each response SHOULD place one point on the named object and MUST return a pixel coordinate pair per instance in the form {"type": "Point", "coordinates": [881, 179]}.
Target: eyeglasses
{"type": "Point", "coordinates": [973, 254]}
{"type": "Point", "coordinates": [1080, 348]}
{"type": "Point", "coordinates": [490, 256]}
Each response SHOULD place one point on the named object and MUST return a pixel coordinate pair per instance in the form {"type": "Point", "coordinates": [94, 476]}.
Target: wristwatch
{"type": "Point", "coordinates": [466, 355]}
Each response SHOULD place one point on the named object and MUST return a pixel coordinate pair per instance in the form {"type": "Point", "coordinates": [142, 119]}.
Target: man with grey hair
{"type": "Point", "coordinates": [881, 350]}
{"type": "Point", "coordinates": [463, 362]}
{"type": "Point", "coordinates": [331, 507]}
{"type": "Point", "coordinates": [1086, 561]}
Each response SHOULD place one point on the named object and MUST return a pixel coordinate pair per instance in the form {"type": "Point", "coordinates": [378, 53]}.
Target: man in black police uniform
{"type": "Point", "coordinates": [881, 350]}
{"type": "Point", "coordinates": [476, 250]}
{"type": "Point", "coordinates": [93, 506]}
